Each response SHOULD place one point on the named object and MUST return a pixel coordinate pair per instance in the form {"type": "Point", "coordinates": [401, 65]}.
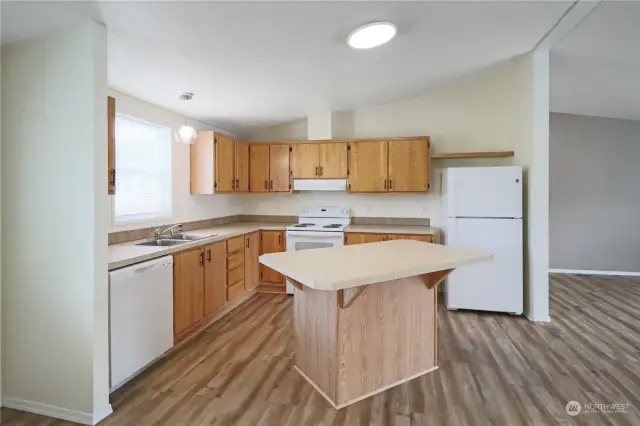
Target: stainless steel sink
{"type": "Point", "coordinates": [186, 237]}
{"type": "Point", "coordinates": [163, 242]}
{"type": "Point", "coordinates": [174, 240]}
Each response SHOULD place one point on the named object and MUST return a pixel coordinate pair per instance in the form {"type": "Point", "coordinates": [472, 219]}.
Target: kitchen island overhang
{"type": "Point", "coordinates": [365, 316]}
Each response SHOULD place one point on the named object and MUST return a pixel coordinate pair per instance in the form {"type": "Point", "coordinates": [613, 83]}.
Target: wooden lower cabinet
{"type": "Point", "coordinates": [361, 238]}
{"type": "Point", "coordinates": [423, 238]}
{"type": "Point", "coordinates": [188, 289]}
{"type": "Point", "coordinates": [251, 261]}
{"type": "Point", "coordinates": [271, 242]}
{"type": "Point", "coordinates": [215, 277]}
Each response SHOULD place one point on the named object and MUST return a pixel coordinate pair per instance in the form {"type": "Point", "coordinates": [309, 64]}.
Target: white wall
{"type": "Point", "coordinates": [479, 112]}
{"type": "Point", "coordinates": [186, 207]}
{"type": "Point", "coordinates": [54, 221]}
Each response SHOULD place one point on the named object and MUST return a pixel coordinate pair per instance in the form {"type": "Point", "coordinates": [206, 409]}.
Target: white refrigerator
{"type": "Point", "coordinates": [483, 210]}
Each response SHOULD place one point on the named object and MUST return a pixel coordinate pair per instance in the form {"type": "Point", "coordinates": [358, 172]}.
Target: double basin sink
{"type": "Point", "coordinates": [174, 240]}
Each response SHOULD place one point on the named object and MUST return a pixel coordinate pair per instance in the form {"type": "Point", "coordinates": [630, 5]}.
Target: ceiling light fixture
{"type": "Point", "coordinates": [372, 35]}
{"type": "Point", "coordinates": [187, 134]}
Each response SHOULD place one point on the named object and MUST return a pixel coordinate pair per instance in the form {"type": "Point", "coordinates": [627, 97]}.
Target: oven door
{"type": "Point", "coordinates": [307, 240]}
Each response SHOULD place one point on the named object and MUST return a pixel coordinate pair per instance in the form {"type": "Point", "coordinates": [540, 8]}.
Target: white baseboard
{"type": "Point", "coordinates": [538, 320]}
{"type": "Point", "coordinates": [588, 272]}
{"type": "Point", "coordinates": [48, 410]}
{"type": "Point", "coordinates": [104, 413]}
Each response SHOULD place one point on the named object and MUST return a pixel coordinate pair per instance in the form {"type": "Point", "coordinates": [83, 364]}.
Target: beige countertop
{"type": "Point", "coordinates": [356, 265]}
{"type": "Point", "coordinates": [126, 254]}
{"type": "Point", "coordinates": [393, 229]}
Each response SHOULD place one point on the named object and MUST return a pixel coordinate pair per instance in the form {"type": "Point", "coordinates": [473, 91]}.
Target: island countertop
{"type": "Point", "coordinates": [339, 268]}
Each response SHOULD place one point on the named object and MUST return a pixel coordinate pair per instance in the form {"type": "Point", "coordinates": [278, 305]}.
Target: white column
{"type": "Point", "coordinates": [54, 222]}
{"type": "Point", "coordinates": [538, 198]}
{"type": "Point", "coordinates": [319, 126]}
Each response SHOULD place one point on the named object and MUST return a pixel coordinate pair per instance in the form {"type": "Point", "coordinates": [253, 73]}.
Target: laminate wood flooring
{"type": "Point", "coordinates": [494, 370]}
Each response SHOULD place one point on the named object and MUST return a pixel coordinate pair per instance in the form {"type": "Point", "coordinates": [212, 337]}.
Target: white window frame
{"type": "Point", "coordinates": [153, 218]}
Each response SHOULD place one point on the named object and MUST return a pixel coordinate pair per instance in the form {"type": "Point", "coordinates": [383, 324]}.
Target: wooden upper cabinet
{"type": "Point", "coordinates": [279, 171]}
{"type": "Point", "coordinates": [408, 165]}
{"type": "Point", "coordinates": [111, 144]}
{"type": "Point", "coordinates": [201, 166]}
{"type": "Point", "coordinates": [224, 163]}
{"type": "Point", "coordinates": [215, 276]}
{"type": "Point", "coordinates": [251, 262]}
{"type": "Point", "coordinates": [361, 238]}
{"type": "Point", "coordinates": [305, 160]}
{"type": "Point", "coordinates": [332, 160]}
{"type": "Point", "coordinates": [259, 170]}
{"type": "Point", "coordinates": [188, 290]}
{"type": "Point", "coordinates": [368, 166]}
{"type": "Point", "coordinates": [271, 242]}
{"type": "Point", "coordinates": [242, 167]}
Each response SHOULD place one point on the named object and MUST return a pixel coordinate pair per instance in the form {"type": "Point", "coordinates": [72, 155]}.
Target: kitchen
{"type": "Point", "coordinates": [212, 337]}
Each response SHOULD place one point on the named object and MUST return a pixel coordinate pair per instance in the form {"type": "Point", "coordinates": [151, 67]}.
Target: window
{"type": "Point", "coordinates": [143, 171]}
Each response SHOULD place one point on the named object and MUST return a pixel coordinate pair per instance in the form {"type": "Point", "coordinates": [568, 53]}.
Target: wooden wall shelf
{"type": "Point", "coordinates": [484, 154]}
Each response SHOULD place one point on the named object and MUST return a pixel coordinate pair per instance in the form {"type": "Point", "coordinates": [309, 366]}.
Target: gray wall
{"type": "Point", "coordinates": [595, 193]}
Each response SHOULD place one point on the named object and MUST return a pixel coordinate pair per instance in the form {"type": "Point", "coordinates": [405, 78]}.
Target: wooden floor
{"type": "Point", "coordinates": [494, 370]}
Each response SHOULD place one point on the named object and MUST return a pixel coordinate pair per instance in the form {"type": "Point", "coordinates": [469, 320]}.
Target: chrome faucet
{"type": "Point", "coordinates": [162, 229]}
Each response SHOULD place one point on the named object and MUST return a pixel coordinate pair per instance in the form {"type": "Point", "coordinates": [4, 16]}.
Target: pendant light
{"type": "Point", "coordinates": [186, 135]}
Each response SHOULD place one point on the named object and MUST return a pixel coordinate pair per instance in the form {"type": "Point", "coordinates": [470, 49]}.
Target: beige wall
{"type": "Point", "coordinates": [186, 207]}
{"type": "Point", "coordinates": [480, 112]}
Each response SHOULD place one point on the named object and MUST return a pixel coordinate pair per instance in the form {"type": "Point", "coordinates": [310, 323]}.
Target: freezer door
{"type": "Point", "coordinates": [496, 285]}
{"type": "Point", "coordinates": [484, 192]}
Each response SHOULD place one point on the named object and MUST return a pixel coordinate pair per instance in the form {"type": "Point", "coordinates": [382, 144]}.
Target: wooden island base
{"type": "Point", "coordinates": [357, 342]}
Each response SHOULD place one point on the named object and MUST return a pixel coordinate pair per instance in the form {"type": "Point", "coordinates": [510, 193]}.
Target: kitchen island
{"type": "Point", "coordinates": [365, 315]}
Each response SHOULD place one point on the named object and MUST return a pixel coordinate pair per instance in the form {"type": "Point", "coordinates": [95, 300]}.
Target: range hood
{"type": "Point", "coordinates": [319, 184]}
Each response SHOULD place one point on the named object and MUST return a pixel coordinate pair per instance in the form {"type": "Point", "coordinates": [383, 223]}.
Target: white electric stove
{"type": "Point", "coordinates": [317, 227]}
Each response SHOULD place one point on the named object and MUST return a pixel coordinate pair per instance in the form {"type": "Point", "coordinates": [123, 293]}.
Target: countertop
{"type": "Point", "coordinates": [129, 253]}
{"type": "Point", "coordinates": [351, 266]}
{"type": "Point", "coordinates": [393, 229]}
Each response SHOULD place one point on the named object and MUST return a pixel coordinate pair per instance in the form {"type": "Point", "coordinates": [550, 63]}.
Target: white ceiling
{"type": "Point", "coordinates": [595, 70]}
{"type": "Point", "coordinates": [253, 64]}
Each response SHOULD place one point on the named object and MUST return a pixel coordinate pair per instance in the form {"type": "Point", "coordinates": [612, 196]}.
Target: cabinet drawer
{"type": "Point", "coordinates": [235, 275]}
{"type": "Point", "coordinates": [235, 244]}
{"type": "Point", "coordinates": [235, 260]}
{"type": "Point", "coordinates": [234, 290]}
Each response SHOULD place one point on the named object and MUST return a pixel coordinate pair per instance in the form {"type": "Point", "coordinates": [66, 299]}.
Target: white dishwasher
{"type": "Point", "coordinates": [140, 317]}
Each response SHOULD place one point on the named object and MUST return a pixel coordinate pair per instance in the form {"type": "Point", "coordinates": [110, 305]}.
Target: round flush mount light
{"type": "Point", "coordinates": [372, 35]}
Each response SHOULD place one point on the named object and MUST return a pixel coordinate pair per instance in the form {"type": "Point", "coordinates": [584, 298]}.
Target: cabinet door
{"type": "Point", "coordinates": [409, 165]}
{"type": "Point", "coordinates": [224, 163]}
{"type": "Point", "coordinates": [304, 160]}
{"type": "Point", "coordinates": [215, 276]}
{"type": "Point", "coordinates": [368, 163]}
{"type": "Point", "coordinates": [424, 238]}
{"type": "Point", "coordinates": [259, 168]}
{"type": "Point", "coordinates": [111, 144]}
{"type": "Point", "coordinates": [279, 168]}
{"type": "Point", "coordinates": [251, 263]}
{"type": "Point", "coordinates": [201, 165]}
{"type": "Point", "coordinates": [188, 277]}
{"type": "Point", "coordinates": [333, 160]}
{"type": "Point", "coordinates": [242, 166]}
{"type": "Point", "coordinates": [271, 242]}
{"type": "Point", "coordinates": [360, 238]}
